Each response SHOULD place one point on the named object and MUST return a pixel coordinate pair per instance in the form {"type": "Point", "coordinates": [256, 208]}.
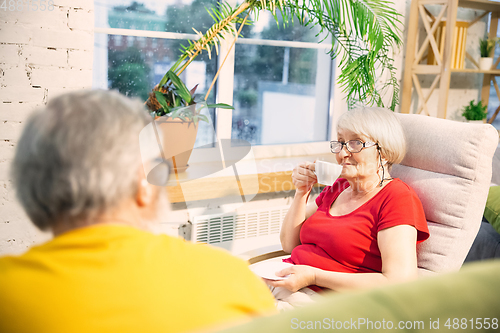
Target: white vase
{"type": "Point", "coordinates": [485, 63]}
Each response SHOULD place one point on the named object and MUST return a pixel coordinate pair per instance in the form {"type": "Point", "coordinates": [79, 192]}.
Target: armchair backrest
{"type": "Point", "coordinates": [448, 164]}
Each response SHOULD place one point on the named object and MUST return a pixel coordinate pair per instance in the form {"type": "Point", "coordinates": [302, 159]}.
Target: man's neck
{"type": "Point", "coordinates": [124, 214]}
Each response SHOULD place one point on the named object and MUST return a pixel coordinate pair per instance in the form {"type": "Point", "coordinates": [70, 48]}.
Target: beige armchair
{"type": "Point", "coordinates": [448, 164]}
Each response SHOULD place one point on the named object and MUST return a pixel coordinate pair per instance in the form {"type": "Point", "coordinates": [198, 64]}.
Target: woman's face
{"type": "Point", "coordinates": [360, 166]}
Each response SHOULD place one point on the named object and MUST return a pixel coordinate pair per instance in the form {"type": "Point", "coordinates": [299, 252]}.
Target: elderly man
{"type": "Point", "coordinates": [78, 173]}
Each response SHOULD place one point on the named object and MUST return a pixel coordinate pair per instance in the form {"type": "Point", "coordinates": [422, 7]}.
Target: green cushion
{"type": "Point", "coordinates": [492, 209]}
{"type": "Point", "coordinates": [452, 302]}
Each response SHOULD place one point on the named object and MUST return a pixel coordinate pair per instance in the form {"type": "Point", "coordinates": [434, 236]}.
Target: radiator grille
{"type": "Point", "coordinates": [213, 229]}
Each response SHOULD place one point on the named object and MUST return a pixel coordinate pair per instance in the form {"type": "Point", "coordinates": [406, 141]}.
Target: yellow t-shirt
{"type": "Point", "coordinates": [112, 278]}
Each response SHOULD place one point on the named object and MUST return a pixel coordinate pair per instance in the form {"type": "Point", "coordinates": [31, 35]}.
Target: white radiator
{"type": "Point", "coordinates": [240, 232]}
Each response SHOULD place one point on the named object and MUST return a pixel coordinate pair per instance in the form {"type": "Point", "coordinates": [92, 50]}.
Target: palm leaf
{"type": "Point", "coordinates": [363, 33]}
{"type": "Point", "coordinates": [224, 19]}
{"type": "Point", "coordinates": [363, 43]}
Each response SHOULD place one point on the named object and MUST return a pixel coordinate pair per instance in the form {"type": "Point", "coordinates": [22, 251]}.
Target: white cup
{"type": "Point", "coordinates": [327, 172]}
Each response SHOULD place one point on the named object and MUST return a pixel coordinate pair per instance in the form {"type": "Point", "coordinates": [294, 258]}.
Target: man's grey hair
{"type": "Point", "coordinates": [78, 156]}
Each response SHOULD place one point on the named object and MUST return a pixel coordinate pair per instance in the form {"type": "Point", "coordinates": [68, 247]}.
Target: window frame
{"type": "Point", "coordinates": [225, 87]}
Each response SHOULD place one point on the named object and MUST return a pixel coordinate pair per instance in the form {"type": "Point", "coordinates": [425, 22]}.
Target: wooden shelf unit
{"type": "Point", "coordinates": [443, 70]}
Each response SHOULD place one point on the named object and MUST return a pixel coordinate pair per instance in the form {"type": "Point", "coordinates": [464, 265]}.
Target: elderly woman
{"type": "Point", "coordinates": [362, 231]}
{"type": "Point", "coordinates": [79, 174]}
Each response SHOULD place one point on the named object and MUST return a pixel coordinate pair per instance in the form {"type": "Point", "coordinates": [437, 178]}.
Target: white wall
{"type": "Point", "coordinates": [42, 54]}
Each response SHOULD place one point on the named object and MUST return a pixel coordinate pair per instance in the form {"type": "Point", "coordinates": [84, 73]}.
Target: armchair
{"type": "Point", "coordinates": [449, 165]}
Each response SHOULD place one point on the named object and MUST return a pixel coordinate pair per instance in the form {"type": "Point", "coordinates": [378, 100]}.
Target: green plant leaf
{"type": "Point", "coordinates": [486, 46]}
{"type": "Point", "coordinates": [202, 117]}
{"type": "Point", "coordinates": [176, 113]}
{"type": "Point", "coordinates": [163, 80]}
{"type": "Point", "coordinates": [159, 97]}
{"type": "Point", "coordinates": [475, 111]}
{"type": "Point", "coordinates": [180, 87]}
{"type": "Point", "coordinates": [220, 106]}
{"type": "Point", "coordinates": [177, 101]}
{"type": "Point", "coordinates": [162, 100]}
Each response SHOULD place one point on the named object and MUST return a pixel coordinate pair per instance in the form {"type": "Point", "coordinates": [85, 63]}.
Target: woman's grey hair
{"type": "Point", "coordinates": [378, 125]}
{"type": "Point", "coordinates": [78, 156]}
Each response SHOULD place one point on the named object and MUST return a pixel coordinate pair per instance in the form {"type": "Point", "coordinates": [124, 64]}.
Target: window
{"type": "Point", "coordinates": [142, 42]}
{"type": "Point", "coordinates": [276, 78]}
{"type": "Point", "coordinates": [280, 85]}
{"type": "Point", "coordinates": [118, 40]}
{"type": "Point", "coordinates": [130, 41]}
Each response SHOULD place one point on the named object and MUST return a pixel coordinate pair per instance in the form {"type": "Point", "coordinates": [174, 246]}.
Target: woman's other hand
{"type": "Point", "coordinates": [300, 276]}
{"type": "Point", "coordinates": [303, 177]}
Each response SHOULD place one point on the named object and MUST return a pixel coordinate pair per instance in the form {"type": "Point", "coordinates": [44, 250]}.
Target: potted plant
{"type": "Point", "coordinates": [177, 113]}
{"type": "Point", "coordinates": [486, 47]}
{"type": "Point", "coordinates": [475, 112]}
{"type": "Point", "coordinates": [363, 33]}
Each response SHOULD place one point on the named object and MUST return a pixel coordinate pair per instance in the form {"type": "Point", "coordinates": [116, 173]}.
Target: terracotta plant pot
{"type": "Point", "coordinates": [485, 64]}
{"type": "Point", "coordinates": [179, 137]}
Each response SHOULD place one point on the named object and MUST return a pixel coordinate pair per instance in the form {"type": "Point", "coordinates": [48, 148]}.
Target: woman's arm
{"type": "Point", "coordinates": [399, 263]}
{"type": "Point", "coordinates": [303, 178]}
{"type": "Point", "coordinates": [298, 212]}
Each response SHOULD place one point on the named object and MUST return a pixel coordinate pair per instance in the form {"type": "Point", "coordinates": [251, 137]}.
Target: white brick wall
{"type": "Point", "coordinates": [42, 54]}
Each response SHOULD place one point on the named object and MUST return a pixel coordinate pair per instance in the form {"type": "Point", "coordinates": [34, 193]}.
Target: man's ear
{"type": "Point", "coordinates": [145, 193]}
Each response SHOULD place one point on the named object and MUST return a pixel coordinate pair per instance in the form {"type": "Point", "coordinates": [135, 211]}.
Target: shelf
{"type": "Point", "coordinates": [491, 6]}
{"type": "Point", "coordinates": [448, 43]}
{"type": "Point", "coordinates": [471, 70]}
{"type": "Point", "coordinates": [431, 69]}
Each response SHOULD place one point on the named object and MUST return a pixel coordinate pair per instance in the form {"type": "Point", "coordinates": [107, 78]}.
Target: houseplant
{"type": "Point", "coordinates": [486, 46]}
{"type": "Point", "coordinates": [363, 34]}
{"type": "Point", "coordinates": [475, 111]}
{"type": "Point", "coordinates": [177, 114]}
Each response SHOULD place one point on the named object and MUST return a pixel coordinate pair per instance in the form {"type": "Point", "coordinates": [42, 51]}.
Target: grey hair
{"type": "Point", "coordinates": [378, 125]}
{"type": "Point", "coordinates": [78, 156]}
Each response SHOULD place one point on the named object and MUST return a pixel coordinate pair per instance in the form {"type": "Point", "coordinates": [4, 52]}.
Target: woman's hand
{"type": "Point", "coordinates": [300, 276]}
{"type": "Point", "coordinates": [303, 177]}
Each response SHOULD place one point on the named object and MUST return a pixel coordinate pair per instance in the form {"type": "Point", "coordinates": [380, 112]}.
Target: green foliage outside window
{"type": "Point", "coordinates": [128, 73]}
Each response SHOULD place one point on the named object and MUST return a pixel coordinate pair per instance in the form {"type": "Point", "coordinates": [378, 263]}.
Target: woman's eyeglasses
{"type": "Point", "coordinates": [353, 146]}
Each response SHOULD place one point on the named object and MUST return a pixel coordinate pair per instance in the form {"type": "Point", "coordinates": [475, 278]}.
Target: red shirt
{"type": "Point", "coordinates": [348, 243]}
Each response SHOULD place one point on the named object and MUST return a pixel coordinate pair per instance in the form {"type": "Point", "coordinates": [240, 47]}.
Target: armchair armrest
{"type": "Point", "coordinates": [263, 253]}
